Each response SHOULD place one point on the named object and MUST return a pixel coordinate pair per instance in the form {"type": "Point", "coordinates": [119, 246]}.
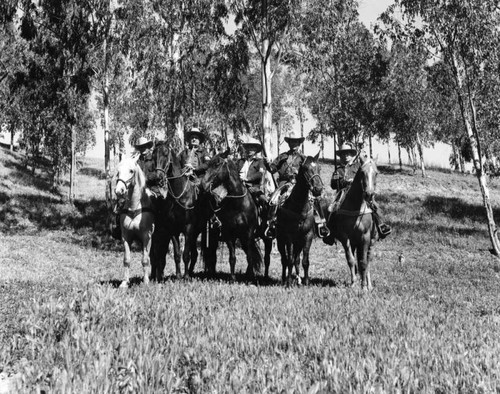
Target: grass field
{"type": "Point", "coordinates": [431, 324]}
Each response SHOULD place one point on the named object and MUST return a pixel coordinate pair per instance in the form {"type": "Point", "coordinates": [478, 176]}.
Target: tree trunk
{"type": "Point", "coordinates": [389, 152]}
{"type": "Point", "coordinates": [468, 111]}
{"type": "Point", "coordinates": [105, 98]}
{"type": "Point", "coordinates": [421, 155]}
{"type": "Point", "coordinates": [267, 113]}
{"type": "Point", "coordinates": [72, 175]}
{"type": "Point", "coordinates": [301, 120]}
{"type": "Point", "coordinates": [370, 144]}
{"type": "Point", "coordinates": [179, 128]}
{"type": "Point", "coordinates": [12, 134]}
{"type": "Point", "coordinates": [400, 159]}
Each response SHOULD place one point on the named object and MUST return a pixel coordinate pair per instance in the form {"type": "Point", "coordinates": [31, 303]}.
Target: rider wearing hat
{"type": "Point", "coordinates": [287, 166]}
{"type": "Point", "coordinates": [194, 157]}
{"type": "Point", "coordinates": [252, 169]}
{"type": "Point", "coordinates": [342, 179]}
{"type": "Point", "coordinates": [143, 147]}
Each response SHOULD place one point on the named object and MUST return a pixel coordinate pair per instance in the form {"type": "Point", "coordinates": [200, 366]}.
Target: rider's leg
{"type": "Point", "coordinates": [383, 229]}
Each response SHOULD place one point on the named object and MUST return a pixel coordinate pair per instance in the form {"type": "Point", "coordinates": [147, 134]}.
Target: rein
{"type": "Point", "coordinates": [127, 183]}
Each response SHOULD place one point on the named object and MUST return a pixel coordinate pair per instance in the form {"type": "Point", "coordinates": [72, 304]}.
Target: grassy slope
{"type": "Point", "coordinates": [431, 324]}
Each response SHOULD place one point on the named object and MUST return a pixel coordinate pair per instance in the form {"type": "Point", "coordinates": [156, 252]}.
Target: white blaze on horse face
{"type": "Point", "coordinates": [125, 174]}
{"type": "Point", "coordinates": [370, 180]}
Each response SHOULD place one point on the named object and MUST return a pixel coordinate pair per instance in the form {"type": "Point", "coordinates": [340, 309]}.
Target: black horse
{"type": "Point", "coordinates": [295, 220]}
{"type": "Point", "coordinates": [234, 209]}
{"type": "Point", "coordinates": [180, 212]}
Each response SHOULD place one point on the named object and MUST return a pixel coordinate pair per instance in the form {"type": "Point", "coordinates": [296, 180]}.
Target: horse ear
{"type": "Point", "coordinates": [225, 154]}
{"type": "Point", "coordinates": [317, 156]}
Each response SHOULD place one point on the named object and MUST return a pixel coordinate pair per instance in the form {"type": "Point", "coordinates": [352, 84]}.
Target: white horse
{"type": "Point", "coordinates": [136, 214]}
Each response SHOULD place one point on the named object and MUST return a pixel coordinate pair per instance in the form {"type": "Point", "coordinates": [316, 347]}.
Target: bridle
{"type": "Point", "coordinates": [219, 168]}
{"type": "Point", "coordinates": [309, 179]}
{"type": "Point", "coordinates": [127, 183]}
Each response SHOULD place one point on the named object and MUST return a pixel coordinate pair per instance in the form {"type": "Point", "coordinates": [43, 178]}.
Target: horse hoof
{"type": "Point", "coordinates": [124, 284]}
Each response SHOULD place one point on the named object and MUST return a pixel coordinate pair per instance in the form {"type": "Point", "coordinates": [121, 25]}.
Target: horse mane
{"type": "Point", "coordinates": [140, 178]}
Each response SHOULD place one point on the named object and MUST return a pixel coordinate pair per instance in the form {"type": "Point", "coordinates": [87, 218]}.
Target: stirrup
{"type": "Point", "coordinates": [215, 222]}
{"type": "Point", "coordinates": [270, 231]}
{"type": "Point", "coordinates": [384, 230]}
{"type": "Point", "coordinates": [323, 230]}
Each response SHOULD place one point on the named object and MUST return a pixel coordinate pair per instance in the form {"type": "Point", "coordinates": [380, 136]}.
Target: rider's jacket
{"type": "Point", "coordinates": [344, 175]}
{"type": "Point", "coordinates": [147, 166]}
{"type": "Point", "coordinates": [197, 158]}
{"type": "Point", "coordinates": [251, 172]}
{"type": "Point", "coordinates": [287, 166]}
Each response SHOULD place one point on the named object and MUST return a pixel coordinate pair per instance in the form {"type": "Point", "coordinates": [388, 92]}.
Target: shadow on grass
{"type": "Point", "coordinates": [223, 277]}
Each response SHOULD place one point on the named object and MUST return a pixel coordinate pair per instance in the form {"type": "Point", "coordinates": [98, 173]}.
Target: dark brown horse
{"type": "Point", "coordinates": [295, 221]}
{"type": "Point", "coordinates": [178, 213]}
{"type": "Point", "coordinates": [234, 208]}
{"type": "Point", "coordinates": [352, 224]}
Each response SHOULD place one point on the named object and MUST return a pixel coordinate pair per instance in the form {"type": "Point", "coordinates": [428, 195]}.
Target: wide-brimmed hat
{"type": "Point", "coordinates": [195, 132]}
{"type": "Point", "coordinates": [347, 148]}
{"type": "Point", "coordinates": [143, 142]}
{"type": "Point", "coordinates": [294, 138]}
{"type": "Point", "coordinates": [252, 143]}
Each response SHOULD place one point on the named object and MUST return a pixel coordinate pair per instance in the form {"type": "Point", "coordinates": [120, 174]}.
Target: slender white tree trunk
{"type": "Point", "coordinates": [267, 114]}
{"type": "Point", "coordinates": [469, 117]}
{"type": "Point", "coordinates": [421, 155]}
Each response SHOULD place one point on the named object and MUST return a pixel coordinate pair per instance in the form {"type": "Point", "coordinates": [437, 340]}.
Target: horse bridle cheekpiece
{"type": "Point", "coordinates": [127, 183]}
{"type": "Point", "coordinates": [211, 190]}
{"type": "Point", "coordinates": [309, 179]}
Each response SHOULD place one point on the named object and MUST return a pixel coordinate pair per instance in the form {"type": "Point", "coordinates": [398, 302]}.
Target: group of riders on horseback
{"type": "Point", "coordinates": [256, 172]}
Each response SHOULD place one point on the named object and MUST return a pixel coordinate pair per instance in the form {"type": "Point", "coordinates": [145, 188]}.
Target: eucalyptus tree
{"type": "Point", "coordinates": [338, 56]}
{"type": "Point", "coordinates": [179, 59]}
{"type": "Point", "coordinates": [268, 25]}
{"type": "Point", "coordinates": [414, 103]}
{"type": "Point", "coordinates": [465, 34]}
{"type": "Point", "coordinates": [53, 87]}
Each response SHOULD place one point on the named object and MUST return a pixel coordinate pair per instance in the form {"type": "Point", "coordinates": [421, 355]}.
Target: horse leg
{"type": "Point", "coordinates": [177, 255]}
{"type": "Point", "coordinates": [126, 262]}
{"type": "Point", "coordinates": [296, 250]}
{"type": "Point", "coordinates": [209, 248]}
{"type": "Point", "coordinates": [231, 245]}
{"type": "Point", "coordinates": [158, 255]}
{"type": "Point", "coordinates": [305, 259]}
{"type": "Point", "coordinates": [146, 263]}
{"type": "Point", "coordinates": [364, 254]}
{"type": "Point", "coordinates": [284, 259]}
{"type": "Point", "coordinates": [289, 263]}
{"type": "Point", "coordinates": [254, 256]}
{"type": "Point", "coordinates": [351, 260]}
{"type": "Point", "coordinates": [268, 245]}
{"type": "Point", "coordinates": [186, 253]}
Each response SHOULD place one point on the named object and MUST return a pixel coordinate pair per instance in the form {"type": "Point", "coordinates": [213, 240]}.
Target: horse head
{"type": "Point", "coordinates": [217, 173]}
{"type": "Point", "coordinates": [162, 158]}
{"type": "Point", "coordinates": [310, 171]}
{"type": "Point", "coordinates": [368, 179]}
{"type": "Point", "coordinates": [128, 175]}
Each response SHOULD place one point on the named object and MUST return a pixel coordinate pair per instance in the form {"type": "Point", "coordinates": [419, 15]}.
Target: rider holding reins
{"type": "Point", "coordinates": [342, 178]}
{"type": "Point", "coordinates": [287, 166]}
